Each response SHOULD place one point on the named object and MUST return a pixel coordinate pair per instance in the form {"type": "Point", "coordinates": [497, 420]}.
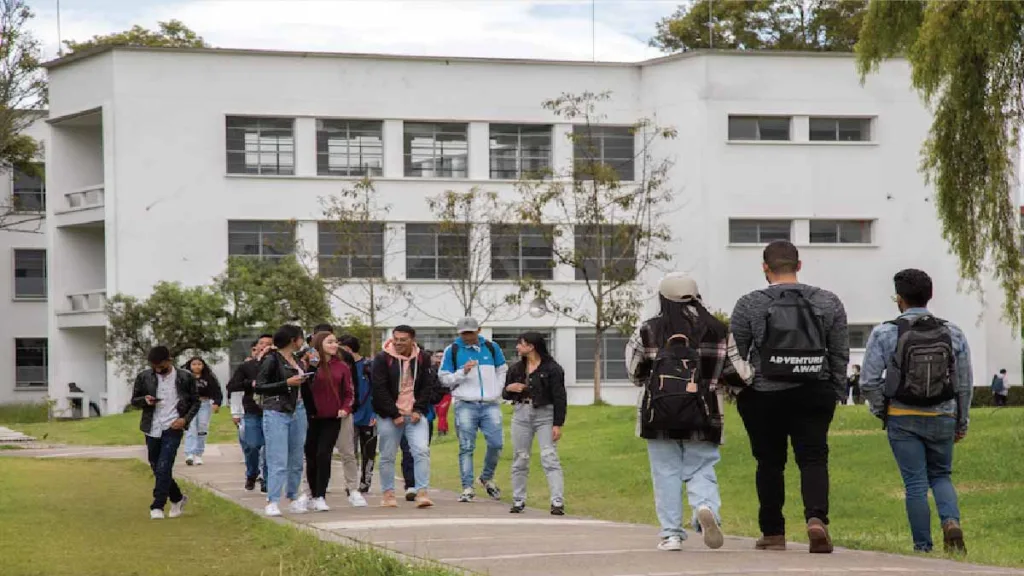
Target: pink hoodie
{"type": "Point", "coordinates": [407, 377]}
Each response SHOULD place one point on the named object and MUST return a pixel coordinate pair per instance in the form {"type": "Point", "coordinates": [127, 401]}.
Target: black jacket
{"type": "Point", "coordinates": [146, 385]}
{"type": "Point", "coordinates": [210, 389]}
{"type": "Point", "coordinates": [546, 387]}
{"type": "Point", "coordinates": [242, 381]}
{"type": "Point", "coordinates": [385, 377]}
{"type": "Point", "coordinates": [271, 383]}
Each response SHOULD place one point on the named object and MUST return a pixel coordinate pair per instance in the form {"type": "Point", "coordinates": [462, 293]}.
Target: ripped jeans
{"type": "Point", "coordinates": [528, 422]}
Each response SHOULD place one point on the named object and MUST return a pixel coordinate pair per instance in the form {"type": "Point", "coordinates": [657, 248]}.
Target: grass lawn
{"type": "Point", "coordinates": [84, 517]}
{"type": "Point", "coordinates": [116, 430]}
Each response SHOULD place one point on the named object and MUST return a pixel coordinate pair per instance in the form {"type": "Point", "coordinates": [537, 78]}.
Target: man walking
{"type": "Point", "coordinates": [795, 336]}
{"type": "Point", "coordinates": [917, 378]}
{"type": "Point", "coordinates": [242, 382]}
{"type": "Point", "coordinates": [474, 369]}
{"type": "Point", "coordinates": [169, 401]}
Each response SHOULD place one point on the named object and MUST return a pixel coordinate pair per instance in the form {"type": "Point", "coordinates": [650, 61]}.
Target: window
{"type": "Point", "coordinates": [436, 150]}
{"type": "Point", "coordinates": [28, 192]}
{"type": "Point", "coordinates": [613, 146]}
{"type": "Point", "coordinates": [260, 145]}
{"type": "Point", "coordinates": [436, 253]}
{"type": "Point", "coordinates": [840, 232]}
{"type": "Point", "coordinates": [520, 151]}
{"type": "Point", "coordinates": [507, 339]}
{"type": "Point", "coordinates": [521, 252]}
{"type": "Point", "coordinates": [240, 349]}
{"type": "Point", "coordinates": [859, 334]}
{"type": "Point", "coordinates": [608, 250]}
{"type": "Point", "coordinates": [758, 231]}
{"type": "Point", "coordinates": [613, 356]}
{"type": "Point", "coordinates": [433, 339]}
{"type": "Point", "coordinates": [267, 239]}
{"type": "Point", "coordinates": [30, 363]}
{"type": "Point", "coordinates": [759, 127]}
{"type": "Point", "coordinates": [30, 274]}
{"type": "Point", "coordinates": [840, 130]}
{"type": "Point", "coordinates": [349, 148]}
{"type": "Point", "coordinates": [353, 250]}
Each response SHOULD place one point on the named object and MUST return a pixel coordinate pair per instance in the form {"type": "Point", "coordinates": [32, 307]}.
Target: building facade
{"type": "Point", "coordinates": [163, 163]}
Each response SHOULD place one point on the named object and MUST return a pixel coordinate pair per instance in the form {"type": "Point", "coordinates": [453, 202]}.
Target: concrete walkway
{"type": "Point", "coordinates": [483, 537]}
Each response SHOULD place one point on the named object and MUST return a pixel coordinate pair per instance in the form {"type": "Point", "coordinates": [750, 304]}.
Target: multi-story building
{"type": "Point", "coordinates": [162, 163]}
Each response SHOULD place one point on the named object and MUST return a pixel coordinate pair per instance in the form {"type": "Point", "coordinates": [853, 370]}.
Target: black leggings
{"type": "Point", "coordinates": [320, 440]}
{"type": "Point", "coordinates": [366, 445]}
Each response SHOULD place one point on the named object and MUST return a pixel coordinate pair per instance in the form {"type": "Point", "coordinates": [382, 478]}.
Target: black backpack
{"type": "Point", "coordinates": [794, 347]}
{"type": "Point", "coordinates": [677, 398]}
{"type": "Point", "coordinates": [922, 371]}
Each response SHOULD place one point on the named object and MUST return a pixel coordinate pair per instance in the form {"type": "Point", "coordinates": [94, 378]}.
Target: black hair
{"type": "Point", "coordinates": [536, 339]}
{"type": "Point", "coordinates": [158, 354]}
{"type": "Point", "coordinates": [350, 342]}
{"type": "Point", "coordinates": [1002, 371]}
{"type": "Point", "coordinates": [262, 336]}
{"type": "Point", "coordinates": [285, 334]}
{"type": "Point", "coordinates": [405, 329]}
{"type": "Point", "coordinates": [690, 319]}
{"type": "Point", "coordinates": [205, 374]}
{"type": "Point", "coordinates": [914, 287]}
{"type": "Point", "coordinates": [781, 256]}
{"type": "Point", "coordinates": [323, 328]}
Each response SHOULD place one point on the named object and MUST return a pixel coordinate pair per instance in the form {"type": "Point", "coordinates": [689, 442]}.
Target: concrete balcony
{"type": "Point", "coordinates": [84, 310]}
{"type": "Point", "coordinates": [82, 207]}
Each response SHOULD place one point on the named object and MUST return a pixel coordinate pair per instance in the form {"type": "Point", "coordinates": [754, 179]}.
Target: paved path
{"type": "Point", "coordinates": [484, 537]}
{"type": "Point", "coordinates": [13, 436]}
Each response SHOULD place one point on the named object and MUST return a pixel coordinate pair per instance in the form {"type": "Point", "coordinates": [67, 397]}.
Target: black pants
{"type": "Point", "coordinates": [161, 452]}
{"type": "Point", "coordinates": [320, 439]}
{"type": "Point", "coordinates": [1000, 399]}
{"type": "Point", "coordinates": [408, 472]}
{"type": "Point", "coordinates": [802, 416]}
{"type": "Point", "coordinates": [366, 446]}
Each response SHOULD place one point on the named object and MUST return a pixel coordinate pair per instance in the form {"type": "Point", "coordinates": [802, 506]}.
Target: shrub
{"type": "Point", "coordinates": [983, 396]}
{"type": "Point", "coordinates": [24, 413]}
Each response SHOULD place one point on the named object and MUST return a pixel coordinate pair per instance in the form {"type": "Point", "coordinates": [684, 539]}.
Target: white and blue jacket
{"type": "Point", "coordinates": [485, 383]}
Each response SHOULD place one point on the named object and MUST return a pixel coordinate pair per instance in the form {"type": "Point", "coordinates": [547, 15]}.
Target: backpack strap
{"type": "Point", "coordinates": [490, 346]}
{"type": "Point", "coordinates": [455, 357]}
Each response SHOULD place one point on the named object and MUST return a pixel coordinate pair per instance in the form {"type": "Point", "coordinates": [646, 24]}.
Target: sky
{"type": "Point", "coordinates": [551, 29]}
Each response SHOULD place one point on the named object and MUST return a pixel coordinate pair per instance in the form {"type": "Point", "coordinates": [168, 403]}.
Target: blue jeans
{"type": "Point", "coordinates": [389, 436]}
{"type": "Point", "coordinates": [285, 435]}
{"type": "Point", "coordinates": [923, 447]}
{"type": "Point", "coordinates": [678, 462]}
{"type": "Point", "coordinates": [195, 434]}
{"type": "Point", "coordinates": [470, 417]}
{"type": "Point", "coordinates": [252, 444]}
{"type": "Point", "coordinates": [161, 452]}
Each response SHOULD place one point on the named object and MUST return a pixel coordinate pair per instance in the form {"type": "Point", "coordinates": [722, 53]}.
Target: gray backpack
{"type": "Point", "coordinates": [922, 372]}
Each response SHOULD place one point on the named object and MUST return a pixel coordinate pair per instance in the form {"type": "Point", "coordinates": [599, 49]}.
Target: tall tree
{"type": "Point", "coordinates": [816, 25]}
{"type": "Point", "coordinates": [967, 64]}
{"type": "Point", "coordinates": [171, 34]}
{"type": "Point", "coordinates": [603, 218]}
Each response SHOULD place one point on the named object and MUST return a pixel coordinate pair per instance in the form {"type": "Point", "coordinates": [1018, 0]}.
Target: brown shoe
{"type": "Point", "coordinates": [817, 534]}
{"type": "Point", "coordinates": [422, 501]}
{"type": "Point", "coordinates": [388, 500]}
{"type": "Point", "coordinates": [773, 543]}
{"type": "Point", "coordinates": [953, 537]}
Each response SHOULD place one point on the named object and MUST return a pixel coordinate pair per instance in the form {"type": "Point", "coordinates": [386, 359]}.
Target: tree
{"type": "Point", "coordinates": [171, 34]}
{"type": "Point", "coordinates": [966, 63]}
{"type": "Point", "coordinates": [183, 319]}
{"type": "Point", "coordinates": [614, 228]}
{"type": "Point", "coordinates": [814, 25]}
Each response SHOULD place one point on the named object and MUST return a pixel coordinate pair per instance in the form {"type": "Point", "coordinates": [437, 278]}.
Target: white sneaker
{"type": "Point", "coordinates": [300, 505]}
{"type": "Point", "coordinates": [467, 495]}
{"type": "Point", "coordinates": [356, 499]}
{"type": "Point", "coordinates": [156, 514]}
{"type": "Point", "coordinates": [713, 537]}
{"type": "Point", "coordinates": [320, 505]}
{"type": "Point", "coordinates": [410, 494]}
{"type": "Point", "coordinates": [199, 460]}
{"type": "Point", "coordinates": [272, 510]}
{"type": "Point", "coordinates": [671, 544]}
{"type": "Point", "coordinates": [178, 507]}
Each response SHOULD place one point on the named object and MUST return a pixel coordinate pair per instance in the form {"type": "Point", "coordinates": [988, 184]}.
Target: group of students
{"type": "Point", "coordinates": [783, 356]}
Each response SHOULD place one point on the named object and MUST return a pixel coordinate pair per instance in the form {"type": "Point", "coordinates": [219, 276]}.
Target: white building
{"type": "Point", "coordinates": [154, 174]}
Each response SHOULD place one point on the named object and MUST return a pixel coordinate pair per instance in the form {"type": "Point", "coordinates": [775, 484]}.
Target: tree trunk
{"type": "Point", "coordinates": [598, 343]}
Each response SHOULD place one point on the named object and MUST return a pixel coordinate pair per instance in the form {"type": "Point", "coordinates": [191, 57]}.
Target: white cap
{"type": "Point", "coordinates": [678, 287]}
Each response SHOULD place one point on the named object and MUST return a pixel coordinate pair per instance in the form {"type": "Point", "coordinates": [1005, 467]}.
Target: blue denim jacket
{"type": "Point", "coordinates": [880, 349]}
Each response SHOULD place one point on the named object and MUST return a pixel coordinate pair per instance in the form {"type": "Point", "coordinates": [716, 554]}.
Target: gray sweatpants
{"type": "Point", "coordinates": [528, 422]}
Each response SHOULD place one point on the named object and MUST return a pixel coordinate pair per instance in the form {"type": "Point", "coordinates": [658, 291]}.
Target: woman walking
{"type": "Point", "coordinates": [210, 399]}
{"type": "Point", "coordinates": [536, 387]}
{"type": "Point", "coordinates": [284, 420]}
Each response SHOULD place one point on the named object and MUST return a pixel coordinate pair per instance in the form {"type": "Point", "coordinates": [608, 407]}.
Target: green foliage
{"type": "Point", "coordinates": [171, 34]}
{"type": "Point", "coordinates": [807, 25]}
{"type": "Point", "coordinates": [966, 58]}
{"type": "Point", "coordinates": [721, 315]}
{"type": "Point", "coordinates": [22, 89]}
{"type": "Point", "coordinates": [369, 340]}
{"type": "Point", "coordinates": [983, 397]}
{"type": "Point", "coordinates": [24, 413]}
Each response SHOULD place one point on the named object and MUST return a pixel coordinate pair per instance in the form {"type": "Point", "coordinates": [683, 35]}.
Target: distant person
{"type": "Point", "coordinates": [363, 418]}
{"type": "Point", "coordinates": [536, 387]}
{"type": "Point", "coordinates": [446, 401]}
{"type": "Point", "coordinates": [210, 399]}
{"type": "Point", "coordinates": [474, 370]}
{"type": "Point", "coordinates": [853, 393]}
{"type": "Point", "coordinates": [169, 402]}
{"type": "Point", "coordinates": [244, 381]}
{"type": "Point", "coordinates": [681, 357]}
{"type": "Point", "coordinates": [1000, 389]}
{"type": "Point", "coordinates": [917, 378]}
{"type": "Point", "coordinates": [795, 335]}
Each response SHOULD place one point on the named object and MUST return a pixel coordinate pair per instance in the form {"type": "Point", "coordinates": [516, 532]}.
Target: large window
{"type": "Point", "coordinates": [28, 192]}
{"type": "Point", "coordinates": [30, 363]}
{"type": "Point", "coordinates": [613, 355]}
{"type": "Point", "coordinates": [521, 252]}
{"type": "Point", "coordinates": [433, 339]}
{"type": "Point", "coordinates": [349, 148]}
{"type": "Point", "coordinates": [840, 130]}
{"type": "Point", "coordinates": [354, 250]}
{"type": "Point", "coordinates": [240, 349]}
{"type": "Point", "coordinates": [260, 145]}
{"type": "Point", "coordinates": [840, 231]}
{"type": "Point", "coordinates": [435, 150]}
{"type": "Point", "coordinates": [520, 151]}
{"type": "Point", "coordinates": [267, 239]}
{"type": "Point", "coordinates": [759, 127]}
{"type": "Point", "coordinates": [859, 334]}
{"type": "Point", "coordinates": [596, 146]}
{"type": "Point", "coordinates": [433, 252]}
{"type": "Point", "coordinates": [507, 339]}
{"type": "Point", "coordinates": [30, 274]}
{"type": "Point", "coordinates": [759, 231]}
{"type": "Point", "coordinates": [608, 251]}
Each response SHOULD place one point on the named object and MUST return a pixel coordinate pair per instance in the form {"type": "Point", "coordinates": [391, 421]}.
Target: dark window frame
{"type": "Point", "coordinates": [514, 233]}
{"type": "Point", "coordinates": [351, 131]}
{"type": "Point", "coordinates": [239, 144]}
{"type": "Point", "coordinates": [35, 347]}
{"type": "Point", "coordinates": [438, 233]}
{"type": "Point", "coordinates": [613, 344]}
{"type": "Point", "coordinates": [595, 146]}
{"type": "Point", "coordinates": [539, 154]}
{"type": "Point", "coordinates": [837, 132]}
{"type": "Point", "coordinates": [761, 133]}
{"type": "Point", "coordinates": [733, 233]}
{"type": "Point", "coordinates": [362, 258]}
{"type": "Point", "coordinates": [606, 261]}
{"type": "Point", "coordinates": [28, 193]}
{"type": "Point", "coordinates": [23, 271]}
{"type": "Point", "coordinates": [287, 247]}
{"type": "Point", "coordinates": [838, 227]}
{"type": "Point", "coordinates": [431, 130]}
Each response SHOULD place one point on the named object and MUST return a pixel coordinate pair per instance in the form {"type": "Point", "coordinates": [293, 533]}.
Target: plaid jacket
{"type": "Point", "coordinates": [721, 363]}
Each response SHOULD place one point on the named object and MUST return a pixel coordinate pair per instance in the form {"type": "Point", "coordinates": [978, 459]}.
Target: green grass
{"type": "Point", "coordinates": [607, 476]}
{"type": "Point", "coordinates": [25, 412]}
{"type": "Point", "coordinates": [85, 517]}
{"type": "Point", "coordinates": [116, 430]}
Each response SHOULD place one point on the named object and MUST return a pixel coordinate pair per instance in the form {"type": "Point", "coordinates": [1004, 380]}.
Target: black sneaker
{"type": "Point", "coordinates": [557, 508]}
{"type": "Point", "coordinates": [410, 494]}
{"type": "Point", "coordinates": [263, 485]}
{"type": "Point", "coordinates": [518, 507]}
{"type": "Point", "coordinates": [250, 484]}
{"type": "Point", "coordinates": [492, 489]}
